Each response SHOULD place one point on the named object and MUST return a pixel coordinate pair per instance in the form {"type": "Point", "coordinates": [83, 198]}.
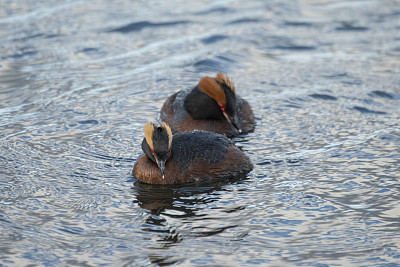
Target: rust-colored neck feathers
{"type": "Point", "coordinates": [213, 87]}
{"type": "Point", "coordinates": [149, 129]}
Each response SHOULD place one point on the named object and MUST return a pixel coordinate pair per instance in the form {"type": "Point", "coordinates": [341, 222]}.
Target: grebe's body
{"type": "Point", "coordinates": [187, 157]}
{"type": "Point", "coordinates": [212, 106]}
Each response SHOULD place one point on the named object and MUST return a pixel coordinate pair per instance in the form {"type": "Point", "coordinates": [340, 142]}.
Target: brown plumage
{"type": "Point", "coordinates": [212, 105]}
{"type": "Point", "coordinates": [190, 157]}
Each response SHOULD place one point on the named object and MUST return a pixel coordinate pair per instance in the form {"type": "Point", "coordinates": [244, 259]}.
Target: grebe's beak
{"type": "Point", "coordinates": [161, 165]}
{"type": "Point", "coordinates": [232, 121]}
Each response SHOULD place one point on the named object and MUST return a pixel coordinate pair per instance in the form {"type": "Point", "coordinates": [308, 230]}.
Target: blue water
{"type": "Point", "coordinates": [79, 79]}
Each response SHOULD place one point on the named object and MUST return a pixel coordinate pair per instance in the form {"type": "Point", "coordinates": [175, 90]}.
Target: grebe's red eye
{"type": "Point", "coordinates": [152, 151]}
{"type": "Point", "coordinates": [221, 106]}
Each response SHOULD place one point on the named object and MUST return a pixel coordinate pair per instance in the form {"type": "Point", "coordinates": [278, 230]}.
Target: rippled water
{"type": "Point", "coordinates": [78, 80]}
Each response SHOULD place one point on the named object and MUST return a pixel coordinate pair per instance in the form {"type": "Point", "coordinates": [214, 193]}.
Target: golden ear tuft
{"type": "Point", "coordinates": [169, 132]}
{"type": "Point", "coordinates": [212, 89]}
{"type": "Point", "coordinates": [224, 79]}
{"type": "Point", "coordinates": [148, 134]}
{"type": "Point", "coordinates": [208, 84]}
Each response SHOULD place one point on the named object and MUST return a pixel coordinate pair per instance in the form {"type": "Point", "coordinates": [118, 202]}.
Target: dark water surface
{"type": "Point", "coordinates": [79, 79]}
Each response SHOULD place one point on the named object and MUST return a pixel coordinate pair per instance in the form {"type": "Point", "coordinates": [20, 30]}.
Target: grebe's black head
{"type": "Point", "coordinates": [213, 98]}
{"type": "Point", "coordinates": [156, 143]}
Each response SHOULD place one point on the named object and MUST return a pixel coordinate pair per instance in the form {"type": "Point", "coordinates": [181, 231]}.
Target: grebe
{"type": "Point", "coordinates": [212, 105]}
{"type": "Point", "coordinates": [187, 157]}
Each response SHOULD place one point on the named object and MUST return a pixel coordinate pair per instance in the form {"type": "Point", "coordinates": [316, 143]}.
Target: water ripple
{"type": "Point", "coordinates": [138, 26]}
{"type": "Point", "coordinates": [78, 81]}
